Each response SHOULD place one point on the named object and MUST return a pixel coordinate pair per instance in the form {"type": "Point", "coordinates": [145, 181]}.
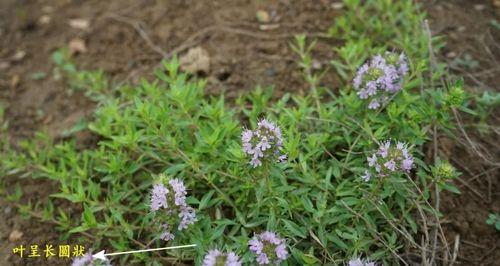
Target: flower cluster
{"type": "Point", "coordinates": [389, 159]}
{"type": "Point", "coordinates": [444, 171]}
{"type": "Point", "coordinates": [360, 262]}
{"type": "Point", "coordinates": [269, 248]}
{"type": "Point", "coordinates": [88, 260]}
{"type": "Point", "coordinates": [218, 258]}
{"type": "Point", "coordinates": [173, 200]}
{"type": "Point", "coordinates": [380, 77]}
{"type": "Point", "coordinates": [265, 142]}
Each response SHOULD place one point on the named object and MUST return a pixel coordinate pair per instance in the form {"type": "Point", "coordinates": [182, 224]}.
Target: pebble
{"type": "Point", "coordinates": [263, 16]}
{"type": "Point", "coordinates": [47, 9]}
{"type": "Point", "coordinates": [337, 5]}
{"type": "Point", "coordinates": [14, 81]}
{"type": "Point", "coordinates": [196, 60]}
{"type": "Point", "coordinates": [15, 236]}
{"type": "Point", "coordinates": [77, 46]}
{"type": "Point", "coordinates": [451, 54]}
{"type": "Point", "coordinates": [44, 20]}
{"type": "Point", "coordinates": [270, 72]}
{"type": "Point", "coordinates": [4, 65]}
{"type": "Point", "coordinates": [268, 27]}
{"type": "Point", "coordinates": [19, 55]}
{"type": "Point", "coordinates": [479, 7]}
{"type": "Point", "coordinates": [79, 23]}
{"type": "Point", "coordinates": [7, 210]}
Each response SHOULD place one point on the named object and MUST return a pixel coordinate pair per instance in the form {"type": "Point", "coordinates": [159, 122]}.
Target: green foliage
{"type": "Point", "coordinates": [456, 95]}
{"type": "Point", "coordinates": [486, 103]}
{"type": "Point", "coordinates": [374, 26]}
{"type": "Point", "coordinates": [93, 83]}
{"type": "Point", "coordinates": [494, 220]}
{"type": "Point", "coordinates": [443, 172]}
{"type": "Point", "coordinates": [316, 200]}
{"type": "Point", "coordinates": [466, 62]}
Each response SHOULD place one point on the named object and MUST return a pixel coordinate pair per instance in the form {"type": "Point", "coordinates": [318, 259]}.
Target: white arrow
{"type": "Point", "coordinates": [102, 256]}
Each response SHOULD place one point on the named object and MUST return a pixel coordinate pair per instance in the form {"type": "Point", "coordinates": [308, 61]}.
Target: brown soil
{"type": "Point", "coordinates": [242, 56]}
{"type": "Point", "coordinates": [468, 29]}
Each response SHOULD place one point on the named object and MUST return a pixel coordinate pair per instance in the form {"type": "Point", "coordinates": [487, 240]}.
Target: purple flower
{"type": "Point", "coordinates": [281, 252]}
{"type": "Point", "coordinates": [232, 259]}
{"type": "Point", "coordinates": [179, 190]}
{"type": "Point", "coordinates": [188, 216]}
{"type": "Point", "coordinates": [282, 158]}
{"type": "Point", "coordinates": [384, 149]}
{"type": "Point", "coordinates": [407, 164]}
{"type": "Point", "coordinates": [88, 260]}
{"type": "Point", "coordinates": [380, 77]}
{"type": "Point", "coordinates": [211, 257]}
{"type": "Point", "coordinates": [366, 177]}
{"type": "Point", "coordinates": [159, 197]}
{"type": "Point", "coordinates": [359, 75]}
{"type": "Point", "coordinates": [265, 143]}
{"type": "Point", "coordinates": [390, 159]}
{"type": "Point", "coordinates": [356, 262]}
{"type": "Point", "coordinates": [391, 165]}
{"type": "Point", "coordinates": [166, 234]}
{"type": "Point", "coordinates": [255, 245]}
{"type": "Point", "coordinates": [403, 65]}
{"type": "Point", "coordinates": [83, 261]}
{"type": "Point", "coordinates": [372, 160]}
{"type": "Point", "coordinates": [262, 259]}
{"type": "Point", "coordinates": [363, 94]}
{"type": "Point", "coordinates": [215, 258]}
{"type": "Point", "coordinates": [177, 213]}
{"type": "Point", "coordinates": [360, 262]}
{"type": "Point", "coordinates": [255, 162]}
{"type": "Point", "coordinates": [374, 104]}
{"type": "Point", "coordinates": [269, 248]}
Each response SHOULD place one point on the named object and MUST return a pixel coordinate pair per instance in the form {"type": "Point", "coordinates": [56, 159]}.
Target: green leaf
{"type": "Point", "coordinates": [88, 216]}
{"type": "Point", "coordinates": [295, 229]}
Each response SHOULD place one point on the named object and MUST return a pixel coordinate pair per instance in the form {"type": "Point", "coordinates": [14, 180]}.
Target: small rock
{"type": "Point", "coordinates": [461, 29]}
{"type": "Point", "coordinates": [269, 27]}
{"type": "Point", "coordinates": [44, 20]}
{"type": "Point", "coordinates": [496, 3]}
{"type": "Point", "coordinates": [77, 45]}
{"type": "Point", "coordinates": [451, 54]}
{"type": "Point", "coordinates": [15, 236]}
{"type": "Point", "coordinates": [196, 60]}
{"type": "Point", "coordinates": [14, 81]}
{"type": "Point", "coordinates": [47, 9]}
{"type": "Point", "coordinates": [79, 23]}
{"type": "Point", "coordinates": [479, 7]}
{"type": "Point", "coordinates": [4, 65]}
{"type": "Point", "coordinates": [270, 72]}
{"type": "Point", "coordinates": [337, 5]}
{"type": "Point", "coordinates": [268, 47]}
{"type": "Point", "coordinates": [7, 210]}
{"type": "Point", "coordinates": [18, 56]}
{"type": "Point", "coordinates": [315, 64]}
{"type": "Point", "coordinates": [263, 16]}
